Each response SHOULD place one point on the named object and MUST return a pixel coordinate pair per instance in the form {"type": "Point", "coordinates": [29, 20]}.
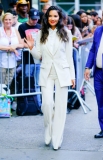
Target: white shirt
{"type": "Point", "coordinates": [8, 60]}
{"type": "Point", "coordinates": [51, 39]}
{"type": "Point", "coordinates": [99, 54]}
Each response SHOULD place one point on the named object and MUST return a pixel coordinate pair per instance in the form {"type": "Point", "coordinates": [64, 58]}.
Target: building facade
{"type": "Point", "coordinates": [67, 6]}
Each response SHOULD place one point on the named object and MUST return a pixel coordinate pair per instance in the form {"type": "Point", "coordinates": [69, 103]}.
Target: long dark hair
{"type": "Point", "coordinates": [77, 20]}
{"type": "Point", "coordinates": [71, 21]}
{"type": "Point", "coordinates": [80, 13]}
{"type": "Point", "coordinates": [61, 32]}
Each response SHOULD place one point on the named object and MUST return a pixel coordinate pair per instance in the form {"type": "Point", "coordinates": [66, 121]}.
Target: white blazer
{"type": "Point", "coordinates": [61, 58]}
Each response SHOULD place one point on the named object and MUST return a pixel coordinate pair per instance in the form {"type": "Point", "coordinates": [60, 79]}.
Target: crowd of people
{"type": "Point", "coordinates": [48, 34]}
{"type": "Point", "coordinates": [27, 21]}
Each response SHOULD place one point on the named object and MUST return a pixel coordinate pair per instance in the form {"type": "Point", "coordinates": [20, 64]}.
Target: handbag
{"type": "Point", "coordinates": [5, 106]}
{"type": "Point", "coordinates": [73, 101]}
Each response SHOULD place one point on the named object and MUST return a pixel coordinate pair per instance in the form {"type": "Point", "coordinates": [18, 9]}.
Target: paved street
{"type": "Point", "coordinates": [22, 138]}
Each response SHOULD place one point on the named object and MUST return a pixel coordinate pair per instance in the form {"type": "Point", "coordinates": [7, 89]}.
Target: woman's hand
{"type": "Point", "coordinates": [13, 49]}
{"type": "Point", "coordinates": [16, 52]}
{"type": "Point", "coordinates": [89, 35]}
{"type": "Point", "coordinates": [30, 41]}
{"type": "Point", "coordinates": [73, 83]}
{"type": "Point", "coordinates": [85, 29]}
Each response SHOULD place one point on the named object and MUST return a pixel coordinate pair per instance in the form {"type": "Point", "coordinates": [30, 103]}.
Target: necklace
{"type": "Point", "coordinates": [8, 35]}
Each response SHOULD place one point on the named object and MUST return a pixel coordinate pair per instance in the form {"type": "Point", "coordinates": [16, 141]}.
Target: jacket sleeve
{"type": "Point", "coordinates": [91, 57]}
{"type": "Point", "coordinates": [36, 50]}
{"type": "Point", "coordinates": [69, 54]}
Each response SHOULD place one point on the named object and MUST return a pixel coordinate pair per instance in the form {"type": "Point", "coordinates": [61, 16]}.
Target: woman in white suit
{"type": "Point", "coordinates": [54, 46]}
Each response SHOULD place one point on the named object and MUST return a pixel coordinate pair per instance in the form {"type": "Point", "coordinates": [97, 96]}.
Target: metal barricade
{"type": "Point", "coordinates": [24, 62]}
{"type": "Point", "coordinates": [82, 56]}
{"type": "Point", "coordinates": [83, 53]}
{"type": "Point", "coordinates": [79, 63]}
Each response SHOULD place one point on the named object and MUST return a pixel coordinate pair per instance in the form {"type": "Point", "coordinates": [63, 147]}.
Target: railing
{"type": "Point", "coordinates": [26, 68]}
{"type": "Point", "coordinates": [25, 75]}
{"type": "Point", "coordinates": [80, 57]}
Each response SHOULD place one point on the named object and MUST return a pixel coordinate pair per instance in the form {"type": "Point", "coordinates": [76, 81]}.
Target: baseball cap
{"type": "Point", "coordinates": [34, 14]}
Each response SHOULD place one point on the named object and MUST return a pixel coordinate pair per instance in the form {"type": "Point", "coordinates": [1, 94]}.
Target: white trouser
{"type": "Point", "coordinates": [54, 112]}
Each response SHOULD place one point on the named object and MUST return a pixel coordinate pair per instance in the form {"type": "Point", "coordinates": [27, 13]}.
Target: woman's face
{"type": "Point", "coordinates": [84, 17]}
{"type": "Point", "coordinates": [69, 26]}
{"type": "Point", "coordinates": [53, 18]}
{"type": "Point", "coordinates": [8, 21]}
{"type": "Point", "coordinates": [89, 18]}
{"type": "Point", "coordinates": [99, 22]}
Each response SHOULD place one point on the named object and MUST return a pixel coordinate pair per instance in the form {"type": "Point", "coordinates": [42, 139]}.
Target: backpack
{"type": "Point", "coordinates": [27, 105]}
{"type": "Point", "coordinates": [73, 102]}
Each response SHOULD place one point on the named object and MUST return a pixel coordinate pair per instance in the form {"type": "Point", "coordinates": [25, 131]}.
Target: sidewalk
{"type": "Point", "coordinates": [22, 138]}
